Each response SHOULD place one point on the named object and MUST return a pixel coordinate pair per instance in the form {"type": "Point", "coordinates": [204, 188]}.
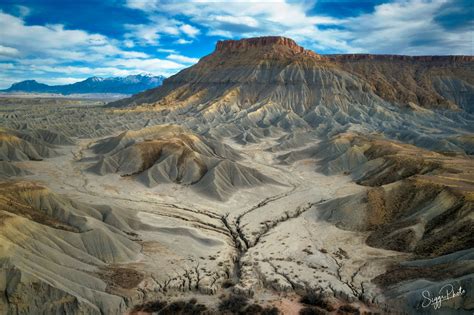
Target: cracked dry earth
{"type": "Point", "coordinates": [265, 242]}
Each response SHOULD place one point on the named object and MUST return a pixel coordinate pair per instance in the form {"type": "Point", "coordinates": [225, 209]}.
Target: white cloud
{"type": "Point", "coordinates": [166, 50]}
{"type": "Point", "coordinates": [112, 67]}
{"type": "Point", "coordinates": [63, 69]}
{"type": "Point", "coordinates": [144, 63]}
{"type": "Point", "coordinates": [110, 50]}
{"type": "Point", "coordinates": [407, 27]}
{"type": "Point", "coordinates": [189, 30]}
{"type": "Point", "coordinates": [7, 66]}
{"type": "Point", "coordinates": [221, 33]}
{"type": "Point", "coordinates": [128, 43]}
{"type": "Point", "coordinates": [49, 52]}
{"type": "Point", "coordinates": [145, 34]}
{"type": "Point", "coordinates": [182, 59]}
{"type": "Point", "coordinates": [23, 11]}
{"type": "Point", "coordinates": [150, 33]}
{"type": "Point", "coordinates": [55, 40]}
{"type": "Point", "coordinates": [237, 19]}
{"type": "Point", "coordinates": [8, 51]}
{"type": "Point", "coordinates": [60, 80]}
{"type": "Point", "coordinates": [11, 73]}
{"type": "Point", "coordinates": [183, 41]}
{"type": "Point", "coordinates": [140, 4]}
{"type": "Point", "coordinates": [38, 39]}
{"type": "Point", "coordinates": [153, 65]}
{"type": "Point", "coordinates": [400, 26]}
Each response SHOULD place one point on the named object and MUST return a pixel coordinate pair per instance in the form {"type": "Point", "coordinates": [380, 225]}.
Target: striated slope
{"type": "Point", "coordinates": [8, 169]}
{"type": "Point", "coordinates": [427, 81]}
{"type": "Point", "coordinates": [445, 82]}
{"type": "Point", "coordinates": [52, 249]}
{"type": "Point", "coordinates": [420, 202]}
{"type": "Point", "coordinates": [269, 69]}
{"type": "Point", "coordinates": [268, 86]}
{"type": "Point", "coordinates": [29, 145]}
{"type": "Point", "coordinates": [414, 193]}
{"type": "Point", "coordinates": [172, 154]}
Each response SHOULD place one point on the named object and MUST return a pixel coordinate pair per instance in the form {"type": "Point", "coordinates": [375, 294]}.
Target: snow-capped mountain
{"type": "Point", "coordinates": [120, 85]}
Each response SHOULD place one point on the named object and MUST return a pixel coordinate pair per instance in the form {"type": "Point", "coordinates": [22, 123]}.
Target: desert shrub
{"type": "Point", "coordinates": [256, 309]}
{"type": "Point", "coordinates": [227, 284]}
{"type": "Point", "coordinates": [348, 309]}
{"type": "Point", "coordinates": [233, 304]}
{"type": "Point", "coordinates": [184, 308]}
{"type": "Point", "coordinates": [174, 308]}
{"type": "Point", "coordinates": [270, 310]}
{"type": "Point", "coordinates": [252, 309]}
{"type": "Point", "coordinates": [312, 311]}
{"type": "Point", "coordinates": [190, 307]}
{"type": "Point", "coordinates": [314, 299]}
{"type": "Point", "coordinates": [150, 307]}
{"type": "Point", "coordinates": [239, 304]}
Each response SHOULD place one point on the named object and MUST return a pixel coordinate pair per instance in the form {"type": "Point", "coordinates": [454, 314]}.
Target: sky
{"type": "Point", "coordinates": [65, 41]}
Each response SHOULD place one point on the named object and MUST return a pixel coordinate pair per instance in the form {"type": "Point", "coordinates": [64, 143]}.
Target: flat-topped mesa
{"type": "Point", "coordinates": [273, 43]}
{"type": "Point", "coordinates": [276, 69]}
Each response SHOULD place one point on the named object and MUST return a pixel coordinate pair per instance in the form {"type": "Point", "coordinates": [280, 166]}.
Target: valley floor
{"type": "Point", "coordinates": [269, 242]}
{"type": "Point", "coordinates": [285, 244]}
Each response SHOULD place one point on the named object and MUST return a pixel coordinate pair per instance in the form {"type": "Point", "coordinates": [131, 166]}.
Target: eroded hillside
{"type": "Point", "coordinates": [266, 178]}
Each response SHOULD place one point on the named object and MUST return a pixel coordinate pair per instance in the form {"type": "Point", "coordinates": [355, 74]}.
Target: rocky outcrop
{"type": "Point", "coordinates": [276, 44]}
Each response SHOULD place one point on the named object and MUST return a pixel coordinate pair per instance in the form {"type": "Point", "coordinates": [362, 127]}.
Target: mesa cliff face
{"type": "Point", "coordinates": [444, 82]}
{"type": "Point", "coordinates": [276, 45]}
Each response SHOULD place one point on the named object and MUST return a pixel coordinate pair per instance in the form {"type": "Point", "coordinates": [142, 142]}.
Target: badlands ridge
{"type": "Point", "coordinates": [264, 179]}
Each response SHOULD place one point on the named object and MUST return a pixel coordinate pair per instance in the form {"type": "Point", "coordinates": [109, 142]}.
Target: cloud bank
{"type": "Point", "coordinates": [166, 36]}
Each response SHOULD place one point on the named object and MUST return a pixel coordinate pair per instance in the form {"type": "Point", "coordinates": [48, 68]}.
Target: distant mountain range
{"type": "Point", "coordinates": [118, 85]}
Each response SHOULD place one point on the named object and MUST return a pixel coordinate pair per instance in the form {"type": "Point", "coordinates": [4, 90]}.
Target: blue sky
{"type": "Point", "coordinates": [64, 41]}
